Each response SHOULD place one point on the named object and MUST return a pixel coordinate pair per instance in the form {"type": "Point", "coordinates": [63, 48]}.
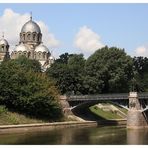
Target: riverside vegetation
{"type": "Point", "coordinates": [107, 70]}
{"type": "Point", "coordinates": [26, 90]}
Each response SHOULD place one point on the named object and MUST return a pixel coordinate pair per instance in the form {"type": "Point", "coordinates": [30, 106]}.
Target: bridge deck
{"type": "Point", "coordinates": [101, 97]}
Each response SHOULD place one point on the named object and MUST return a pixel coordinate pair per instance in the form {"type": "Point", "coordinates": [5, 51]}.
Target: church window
{"type": "Point", "coordinates": [19, 54]}
{"type": "Point", "coordinates": [34, 37]}
{"type": "Point", "coordinates": [38, 38]}
{"type": "Point", "coordinates": [25, 54]}
{"type": "Point", "coordinates": [29, 36]}
{"type": "Point", "coordinates": [2, 48]}
{"type": "Point", "coordinates": [24, 37]}
{"type": "Point", "coordinates": [21, 37]}
{"type": "Point", "coordinates": [44, 55]}
{"type": "Point", "coordinates": [35, 55]}
{"type": "Point", "coordinates": [39, 55]}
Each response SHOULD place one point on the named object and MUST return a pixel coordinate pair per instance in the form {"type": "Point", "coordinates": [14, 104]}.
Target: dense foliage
{"type": "Point", "coordinates": [67, 71]}
{"type": "Point", "coordinates": [28, 64]}
{"type": "Point", "coordinates": [140, 78]}
{"type": "Point", "coordinates": [108, 70]}
{"type": "Point", "coordinates": [24, 90]}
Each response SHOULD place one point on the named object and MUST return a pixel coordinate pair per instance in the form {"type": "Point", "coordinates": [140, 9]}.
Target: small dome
{"type": "Point", "coordinates": [31, 26]}
{"type": "Point", "coordinates": [3, 42]}
{"type": "Point", "coordinates": [41, 48]}
{"type": "Point", "coordinates": [51, 58]}
{"type": "Point", "coordinates": [21, 47]}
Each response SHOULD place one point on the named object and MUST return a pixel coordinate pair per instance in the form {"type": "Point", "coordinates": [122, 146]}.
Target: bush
{"type": "Point", "coordinates": [3, 110]}
{"type": "Point", "coordinates": [28, 92]}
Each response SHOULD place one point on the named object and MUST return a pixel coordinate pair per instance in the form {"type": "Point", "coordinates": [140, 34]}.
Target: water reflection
{"type": "Point", "coordinates": [80, 135]}
{"type": "Point", "coordinates": [137, 136]}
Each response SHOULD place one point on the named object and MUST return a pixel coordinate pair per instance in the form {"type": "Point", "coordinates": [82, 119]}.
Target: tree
{"type": "Point", "coordinates": [108, 70]}
{"type": "Point", "coordinates": [140, 66]}
{"type": "Point", "coordinates": [28, 64]}
{"type": "Point", "coordinates": [67, 72]}
{"type": "Point", "coordinates": [28, 92]}
{"type": "Point", "coordinates": [63, 58]}
{"type": "Point", "coordinates": [76, 65]}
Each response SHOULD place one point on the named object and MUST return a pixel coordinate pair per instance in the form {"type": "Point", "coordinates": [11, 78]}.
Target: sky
{"type": "Point", "coordinates": [80, 28]}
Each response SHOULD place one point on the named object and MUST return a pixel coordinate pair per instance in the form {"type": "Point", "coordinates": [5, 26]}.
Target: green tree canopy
{"type": "Point", "coordinates": [108, 70]}
{"type": "Point", "coordinates": [28, 64]}
{"type": "Point", "coordinates": [28, 92]}
{"type": "Point", "coordinates": [63, 58]}
{"type": "Point", "coordinates": [67, 72]}
{"type": "Point", "coordinates": [140, 68]}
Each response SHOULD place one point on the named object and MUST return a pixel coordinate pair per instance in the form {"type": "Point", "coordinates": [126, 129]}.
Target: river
{"type": "Point", "coordinates": [107, 135]}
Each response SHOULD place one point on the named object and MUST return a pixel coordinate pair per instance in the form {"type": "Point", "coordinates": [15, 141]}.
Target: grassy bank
{"type": "Point", "coordinates": [7, 117]}
{"type": "Point", "coordinates": [108, 114]}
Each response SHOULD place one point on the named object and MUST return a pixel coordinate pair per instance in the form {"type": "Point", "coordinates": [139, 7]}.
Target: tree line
{"type": "Point", "coordinates": [24, 88]}
{"type": "Point", "coordinates": [108, 70]}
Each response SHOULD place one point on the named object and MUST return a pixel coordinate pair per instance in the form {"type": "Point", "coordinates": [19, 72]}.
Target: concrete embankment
{"type": "Point", "coordinates": [56, 125]}
{"type": "Point", "coordinates": [43, 126]}
{"type": "Point", "coordinates": [118, 122]}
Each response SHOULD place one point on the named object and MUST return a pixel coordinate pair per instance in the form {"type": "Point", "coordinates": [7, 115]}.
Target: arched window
{"type": "Point", "coordinates": [39, 55]}
{"type": "Point", "coordinates": [29, 54]}
{"type": "Point", "coordinates": [19, 54]}
{"type": "Point", "coordinates": [21, 36]}
{"type": "Point", "coordinates": [29, 36]}
{"type": "Point", "coordinates": [44, 55]}
{"type": "Point", "coordinates": [35, 56]}
{"type": "Point", "coordinates": [34, 37]}
{"type": "Point", "coordinates": [25, 53]}
{"type": "Point", "coordinates": [3, 48]}
{"type": "Point", "coordinates": [24, 37]}
{"type": "Point", "coordinates": [48, 55]}
{"type": "Point", "coordinates": [38, 38]}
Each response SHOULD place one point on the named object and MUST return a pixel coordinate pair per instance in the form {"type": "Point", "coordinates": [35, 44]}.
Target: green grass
{"type": "Point", "coordinates": [7, 117]}
{"type": "Point", "coordinates": [104, 114]}
{"type": "Point", "coordinates": [122, 109]}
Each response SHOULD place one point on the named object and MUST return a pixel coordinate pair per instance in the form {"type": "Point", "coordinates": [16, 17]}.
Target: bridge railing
{"type": "Point", "coordinates": [143, 95]}
{"type": "Point", "coordinates": [98, 97]}
{"type": "Point", "coordinates": [121, 96]}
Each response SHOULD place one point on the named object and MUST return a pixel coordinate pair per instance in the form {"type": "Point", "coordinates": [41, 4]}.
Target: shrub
{"type": "Point", "coordinates": [28, 92]}
{"type": "Point", "coordinates": [3, 110]}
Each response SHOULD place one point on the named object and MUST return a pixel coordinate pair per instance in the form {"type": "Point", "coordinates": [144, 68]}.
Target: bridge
{"type": "Point", "coordinates": [135, 103]}
{"type": "Point", "coordinates": [121, 100]}
{"type": "Point", "coordinates": [104, 97]}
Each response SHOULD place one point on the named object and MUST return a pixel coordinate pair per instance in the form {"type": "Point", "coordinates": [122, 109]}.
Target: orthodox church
{"type": "Point", "coordinates": [30, 45]}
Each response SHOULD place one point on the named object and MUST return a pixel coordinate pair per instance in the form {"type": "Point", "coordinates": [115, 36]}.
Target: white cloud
{"type": "Point", "coordinates": [48, 37]}
{"type": "Point", "coordinates": [12, 22]}
{"type": "Point", "coordinates": [142, 51]}
{"type": "Point", "coordinates": [87, 40]}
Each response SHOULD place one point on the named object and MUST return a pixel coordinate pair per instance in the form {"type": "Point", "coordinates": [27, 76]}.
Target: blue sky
{"type": "Point", "coordinates": [121, 25]}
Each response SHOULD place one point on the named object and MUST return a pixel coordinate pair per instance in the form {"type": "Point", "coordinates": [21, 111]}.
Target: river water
{"type": "Point", "coordinates": [108, 135]}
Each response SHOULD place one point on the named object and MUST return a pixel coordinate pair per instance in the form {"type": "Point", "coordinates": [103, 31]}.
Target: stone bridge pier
{"type": "Point", "coordinates": [65, 105]}
{"type": "Point", "coordinates": [136, 118]}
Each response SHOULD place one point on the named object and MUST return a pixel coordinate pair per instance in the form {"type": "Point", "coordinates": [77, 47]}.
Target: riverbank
{"type": "Point", "coordinates": [10, 118]}
{"type": "Point", "coordinates": [56, 125]}
{"type": "Point", "coordinates": [43, 126]}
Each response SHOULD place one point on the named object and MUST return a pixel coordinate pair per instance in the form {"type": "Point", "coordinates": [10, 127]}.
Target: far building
{"type": "Point", "coordinates": [4, 49]}
{"type": "Point", "coordinates": [30, 45]}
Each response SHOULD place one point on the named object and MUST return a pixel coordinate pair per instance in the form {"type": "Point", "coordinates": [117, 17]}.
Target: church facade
{"type": "Point", "coordinates": [30, 46]}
